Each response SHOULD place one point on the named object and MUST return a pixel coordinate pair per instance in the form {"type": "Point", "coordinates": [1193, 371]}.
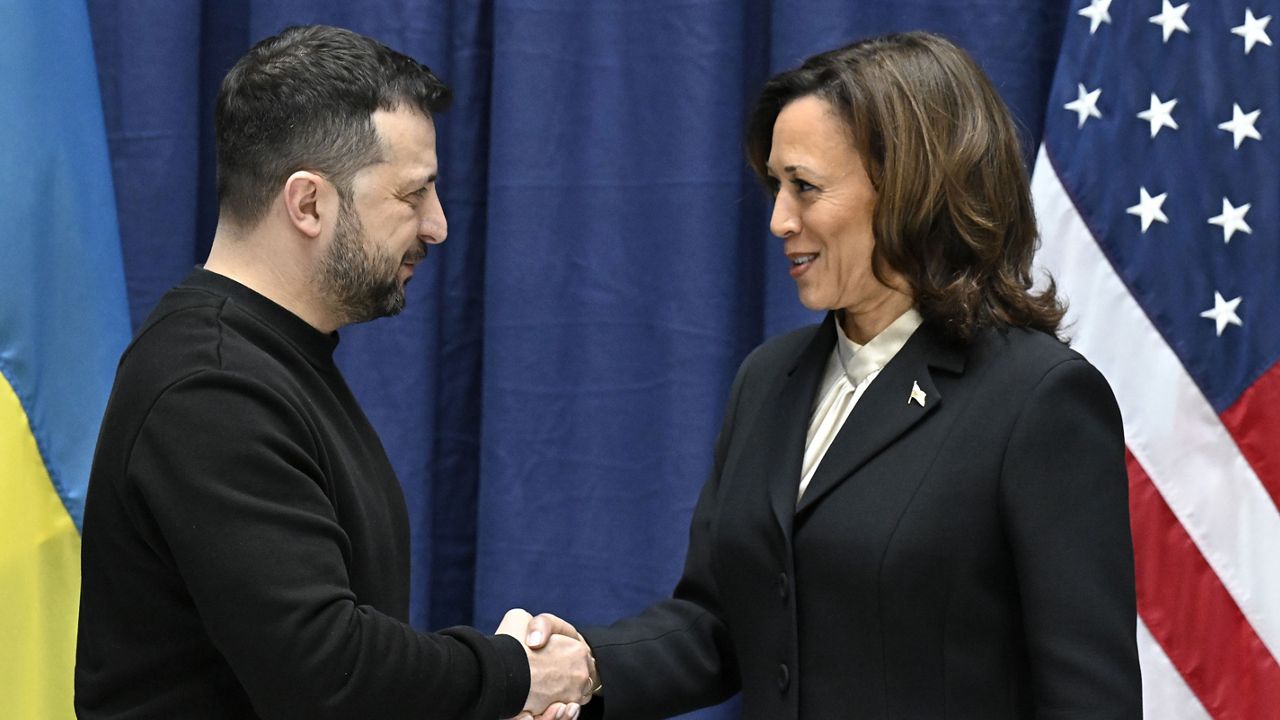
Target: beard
{"type": "Point", "coordinates": [358, 279]}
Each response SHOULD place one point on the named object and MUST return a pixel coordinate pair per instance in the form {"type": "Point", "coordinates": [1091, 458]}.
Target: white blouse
{"type": "Point", "coordinates": [849, 372]}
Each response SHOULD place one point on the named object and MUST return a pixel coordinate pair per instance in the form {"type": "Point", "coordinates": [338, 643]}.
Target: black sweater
{"type": "Point", "coordinates": [246, 545]}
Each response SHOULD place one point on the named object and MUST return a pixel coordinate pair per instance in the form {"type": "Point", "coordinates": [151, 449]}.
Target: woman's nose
{"type": "Point", "coordinates": [784, 222]}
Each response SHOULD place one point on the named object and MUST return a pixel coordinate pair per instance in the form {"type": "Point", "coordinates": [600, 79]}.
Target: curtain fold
{"type": "Point", "coordinates": [550, 395]}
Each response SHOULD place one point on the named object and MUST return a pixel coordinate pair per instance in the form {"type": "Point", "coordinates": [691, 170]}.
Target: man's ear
{"type": "Point", "coordinates": [302, 194]}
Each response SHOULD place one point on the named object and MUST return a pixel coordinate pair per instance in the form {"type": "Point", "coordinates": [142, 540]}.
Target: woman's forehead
{"type": "Point", "coordinates": [808, 132]}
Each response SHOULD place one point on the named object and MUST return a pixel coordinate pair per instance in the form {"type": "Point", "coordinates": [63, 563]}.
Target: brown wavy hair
{"type": "Point", "coordinates": [954, 213]}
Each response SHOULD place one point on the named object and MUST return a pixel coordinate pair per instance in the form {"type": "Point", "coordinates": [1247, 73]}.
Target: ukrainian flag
{"type": "Point", "coordinates": [63, 324]}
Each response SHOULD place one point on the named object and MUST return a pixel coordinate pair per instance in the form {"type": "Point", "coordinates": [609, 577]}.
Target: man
{"type": "Point", "coordinates": [246, 544]}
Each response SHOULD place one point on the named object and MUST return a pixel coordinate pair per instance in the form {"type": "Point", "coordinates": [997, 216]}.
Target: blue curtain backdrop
{"type": "Point", "coordinates": [550, 396]}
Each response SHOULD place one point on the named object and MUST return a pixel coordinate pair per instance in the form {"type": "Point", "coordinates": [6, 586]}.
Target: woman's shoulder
{"type": "Point", "coordinates": [1025, 357]}
{"type": "Point", "coordinates": [786, 349]}
{"type": "Point", "coordinates": [1023, 346]}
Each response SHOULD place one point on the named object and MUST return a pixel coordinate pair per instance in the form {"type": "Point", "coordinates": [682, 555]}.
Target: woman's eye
{"type": "Point", "coordinates": [802, 186]}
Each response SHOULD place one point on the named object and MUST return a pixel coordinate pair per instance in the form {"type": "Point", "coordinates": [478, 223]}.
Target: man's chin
{"type": "Point", "coordinates": [390, 305]}
{"type": "Point", "coordinates": [395, 303]}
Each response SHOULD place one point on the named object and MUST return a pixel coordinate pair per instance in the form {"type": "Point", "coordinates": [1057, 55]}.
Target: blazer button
{"type": "Point", "coordinates": [784, 587]}
{"type": "Point", "coordinates": [784, 678]}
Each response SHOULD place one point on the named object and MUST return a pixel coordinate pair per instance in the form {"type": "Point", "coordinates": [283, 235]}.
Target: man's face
{"type": "Point", "coordinates": [383, 232]}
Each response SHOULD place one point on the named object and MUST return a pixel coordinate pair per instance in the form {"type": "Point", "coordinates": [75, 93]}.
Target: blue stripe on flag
{"type": "Point", "coordinates": [63, 313]}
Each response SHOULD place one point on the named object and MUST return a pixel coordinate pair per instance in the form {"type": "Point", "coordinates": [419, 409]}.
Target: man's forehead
{"type": "Point", "coordinates": [408, 142]}
{"type": "Point", "coordinates": [404, 121]}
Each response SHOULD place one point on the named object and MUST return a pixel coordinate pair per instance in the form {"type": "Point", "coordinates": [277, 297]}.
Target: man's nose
{"type": "Point", "coordinates": [434, 227]}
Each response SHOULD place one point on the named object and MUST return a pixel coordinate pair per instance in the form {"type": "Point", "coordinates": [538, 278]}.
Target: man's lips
{"type": "Point", "coordinates": [414, 258]}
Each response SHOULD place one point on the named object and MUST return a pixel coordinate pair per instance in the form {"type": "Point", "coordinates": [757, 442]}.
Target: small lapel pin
{"type": "Point", "coordinates": [916, 394]}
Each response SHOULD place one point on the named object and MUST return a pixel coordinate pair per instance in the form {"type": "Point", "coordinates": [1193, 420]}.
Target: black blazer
{"type": "Point", "coordinates": [966, 559]}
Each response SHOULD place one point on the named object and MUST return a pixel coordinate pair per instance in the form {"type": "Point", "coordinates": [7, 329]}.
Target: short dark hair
{"type": "Point", "coordinates": [954, 214]}
{"type": "Point", "coordinates": [304, 100]}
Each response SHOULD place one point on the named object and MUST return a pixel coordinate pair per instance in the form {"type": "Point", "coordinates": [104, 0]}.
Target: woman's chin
{"type": "Point", "coordinates": [817, 304]}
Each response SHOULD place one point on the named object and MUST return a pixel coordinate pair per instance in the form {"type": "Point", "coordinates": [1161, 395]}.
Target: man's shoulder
{"type": "Point", "coordinates": [191, 332]}
{"type": "Point", "coordinates": [181, 336]}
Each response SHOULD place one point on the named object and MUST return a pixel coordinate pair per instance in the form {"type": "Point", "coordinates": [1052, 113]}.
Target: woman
{"type": "Point", "coordinates": [918, 507]}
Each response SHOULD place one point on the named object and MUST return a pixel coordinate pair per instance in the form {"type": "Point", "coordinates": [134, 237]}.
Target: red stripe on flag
{"type": "Point", "coordinates": [1193, 617]}
{"type": "Point", "coordinates": [1254, 422]}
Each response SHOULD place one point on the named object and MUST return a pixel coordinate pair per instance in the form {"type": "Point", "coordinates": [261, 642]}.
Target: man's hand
{"type": "Point", "coordinates": [540, 629]}
{"type": "Point", "coordinates": [561, 669]}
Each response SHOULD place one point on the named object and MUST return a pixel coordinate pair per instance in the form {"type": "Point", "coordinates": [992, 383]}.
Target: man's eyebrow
{"type": "Point", "coordinates": [418, 182]}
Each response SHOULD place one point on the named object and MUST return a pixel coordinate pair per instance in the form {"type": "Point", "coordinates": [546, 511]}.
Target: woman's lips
{"type": "Point", "coordinates": [800, 263]}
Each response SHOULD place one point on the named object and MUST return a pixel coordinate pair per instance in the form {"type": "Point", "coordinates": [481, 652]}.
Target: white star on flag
{"type": "Point", "coordinates": [1097, 12]}
{"type": "Point", "coordinates": [1160, 114]}
{"type": "Point", "coordinates": [1201, 401]}
{"type": "Point", "coordinates": [1223, 312]}
{"type": "Point", "coordinates": [1170, 19]}
{"type": "Point", "coordinates": [1254, 30]}
{"type": "Point", "coordinates": [1241, 125]}
{"type": "Point", "coordinates": [1085, 105]}
{"type": "Point", "coordinates": [1231, 220]}
{"type": "Point", "coordinates": [1148, 208]}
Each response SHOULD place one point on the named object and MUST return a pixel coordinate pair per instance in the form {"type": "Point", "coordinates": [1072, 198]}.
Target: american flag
{"type": "Point", "coordinates": [1158, 194]}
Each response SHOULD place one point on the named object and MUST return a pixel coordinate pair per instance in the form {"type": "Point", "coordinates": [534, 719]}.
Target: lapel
{"type": "Point", "coordinates": [786, 428]}
{"type": "Point", "coordinates": [883, 413]}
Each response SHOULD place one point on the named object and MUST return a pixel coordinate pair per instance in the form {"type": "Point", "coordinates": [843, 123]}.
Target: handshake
{"type": "Point", "coordinates": [562, 671]}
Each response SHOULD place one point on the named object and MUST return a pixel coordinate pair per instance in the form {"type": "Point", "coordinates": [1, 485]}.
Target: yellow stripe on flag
{"type": "Point", "coordinates": [39, 577]}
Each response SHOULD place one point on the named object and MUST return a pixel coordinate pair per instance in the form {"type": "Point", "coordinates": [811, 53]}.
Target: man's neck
{"type": "Point", "coordinates": [275, 275]}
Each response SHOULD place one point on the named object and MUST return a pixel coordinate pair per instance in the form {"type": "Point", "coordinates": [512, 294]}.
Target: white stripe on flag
{"type": "Point", "coordinates": [1165, 695]}
{"type": "Point", "coordinates": [1170, 427]}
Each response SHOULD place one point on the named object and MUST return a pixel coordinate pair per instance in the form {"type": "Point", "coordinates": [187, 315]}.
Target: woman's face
{"type": "Point", "coordinates": [823, 212]}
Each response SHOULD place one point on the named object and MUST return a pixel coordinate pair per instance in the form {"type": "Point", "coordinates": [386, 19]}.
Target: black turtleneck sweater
{"type": "Point", "coordinates": [246, 545]}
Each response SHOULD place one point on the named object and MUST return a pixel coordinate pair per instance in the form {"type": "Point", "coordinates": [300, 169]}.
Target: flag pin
{"type": "Point", "coordinates": [916, 394]}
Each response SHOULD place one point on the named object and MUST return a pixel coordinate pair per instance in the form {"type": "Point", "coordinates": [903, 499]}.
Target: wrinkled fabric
{"type": "Point", "coordinates": [551, 393]}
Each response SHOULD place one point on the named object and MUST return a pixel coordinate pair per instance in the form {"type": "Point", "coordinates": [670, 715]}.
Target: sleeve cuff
{"type": "Point", "coordinates": [515, 664]}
